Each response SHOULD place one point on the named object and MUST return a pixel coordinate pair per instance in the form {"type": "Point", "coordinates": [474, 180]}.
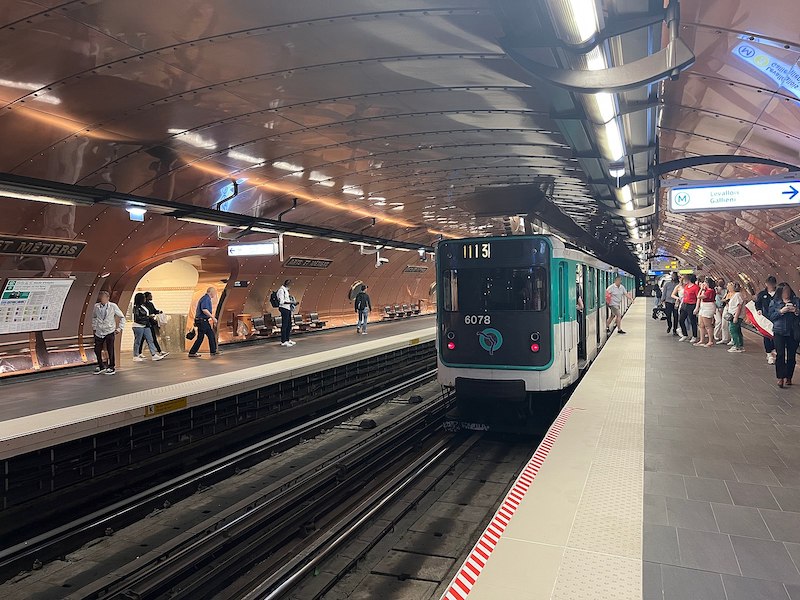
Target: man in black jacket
{"type": "Point", "coordinates": [152, 324]}
{"type": "Point", "coordinates": [762, 301]}
{"type": "Point", "coordinates": [363, 306]}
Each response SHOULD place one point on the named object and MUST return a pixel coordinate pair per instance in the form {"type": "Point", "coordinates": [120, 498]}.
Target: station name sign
{"type": "Point", "coordinates": [10, 244]}
{"type": "Point", "coordinates": [736, 194]}
{"type": "Point", "coordinates": [415, 269]}
{"type": "Point", "coordinates": [309, 263]}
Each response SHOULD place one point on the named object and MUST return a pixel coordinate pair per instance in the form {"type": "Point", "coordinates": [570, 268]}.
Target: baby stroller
{"type": "Point", "coordinates": [659, 314]}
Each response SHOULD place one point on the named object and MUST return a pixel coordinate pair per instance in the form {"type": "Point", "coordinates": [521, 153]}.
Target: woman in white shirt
{"type": "Point", "coordinates": [736, 312]}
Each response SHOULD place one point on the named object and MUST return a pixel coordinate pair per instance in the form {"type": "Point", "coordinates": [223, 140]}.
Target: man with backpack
{"type": "Point", "coordinates": [285, 303]}
{"type": "Point", "coordinates": [363, 306]}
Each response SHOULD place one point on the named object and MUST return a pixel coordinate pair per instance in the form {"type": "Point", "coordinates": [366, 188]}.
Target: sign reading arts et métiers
{"type": "Point", "coordinates": [11, 244]}
{"type": "Point", "coordinates": [310, 263]}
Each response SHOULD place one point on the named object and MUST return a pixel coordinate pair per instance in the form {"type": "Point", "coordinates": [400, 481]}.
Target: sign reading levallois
{"type": "Point", "coordinates": [24, 246]}
{"type": "Point", "coordinates": [32, 304]}
{"type": "Point", "coordinates": [736, 194]}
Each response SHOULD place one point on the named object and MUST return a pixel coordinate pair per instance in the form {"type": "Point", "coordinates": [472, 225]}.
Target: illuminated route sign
{"type": "Point", "coordinates": [736, 194]}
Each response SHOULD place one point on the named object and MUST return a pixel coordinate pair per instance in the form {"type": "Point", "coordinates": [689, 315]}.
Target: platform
{"type": "Point", "coordinates": [55, 408]}
{"type": "Point", "coordinates": [671, 474]}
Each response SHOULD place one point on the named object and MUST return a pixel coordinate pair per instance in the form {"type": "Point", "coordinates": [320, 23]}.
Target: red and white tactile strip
{"type": "Point", "coordinates": [466, 577]}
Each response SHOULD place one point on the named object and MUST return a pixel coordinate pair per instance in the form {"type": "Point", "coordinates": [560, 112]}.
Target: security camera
{"type": "Point", "coordinates": [380, 261]}
{"type": "Point", "coordinates": [423, 256]}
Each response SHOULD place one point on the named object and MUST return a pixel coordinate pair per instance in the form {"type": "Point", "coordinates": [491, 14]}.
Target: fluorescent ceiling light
{"type": "Point", "coordinates": [136, 213]}
{"type": "Point", "coordinates": [605, 106]}
{"type": "Point", "coordinates": [359, 243]}
{"type": "Point", "coordinates": [400, 249]}
{"type": "Point", "coordinates": [615, 145]}
{"type": "Point", "coordinates": [203, 221]}
{"type": "Point", "coordinates": [579, 15]}
{"type": "Point", "coordinates": [337, 240]}
{"type": "Point", "coordinates": [298, 234]}
{"type": "Point", "coordinates": [256, 160]}
{"type": "Point", "coordinates": [37, 197]}
{"type": "Point", "coordinates": [626, 195]}
{"type": "Point", "coordinates": [262, 230]}
{"type": "Point", "coordinates": [616, 169]}
{"type": "Point", "coordinates": [596, 60]}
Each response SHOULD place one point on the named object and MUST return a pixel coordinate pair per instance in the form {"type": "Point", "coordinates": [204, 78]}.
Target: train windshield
{"type": "Point", "coordinates": [495, 289]}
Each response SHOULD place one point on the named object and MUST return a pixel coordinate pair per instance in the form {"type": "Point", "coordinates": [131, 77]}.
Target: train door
{"type": "Point", "coordinates": [583, 307]}
{"type": "Point", "coordinates": [563, 324]}
{"type": "Point", "coordinates": [600, 295]}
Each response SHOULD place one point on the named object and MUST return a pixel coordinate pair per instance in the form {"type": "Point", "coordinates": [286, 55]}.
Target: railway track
{"type": "Point", "coordinates": [70, 534]}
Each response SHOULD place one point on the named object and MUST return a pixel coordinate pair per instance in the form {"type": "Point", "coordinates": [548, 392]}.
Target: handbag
{"type": "Point", "coordinates": [191, 335]}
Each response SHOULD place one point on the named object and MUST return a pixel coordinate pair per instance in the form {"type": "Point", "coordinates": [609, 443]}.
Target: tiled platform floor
{"type": "Point", "coordinates": [722, 474]}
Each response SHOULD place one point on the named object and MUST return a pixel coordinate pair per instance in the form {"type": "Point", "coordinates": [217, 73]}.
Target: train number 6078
{"type": "Point", "coordinates": [477, 320]}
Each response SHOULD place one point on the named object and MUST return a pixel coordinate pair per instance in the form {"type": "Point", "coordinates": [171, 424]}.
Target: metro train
{"type": "Point", "coordinates": [508, 324]}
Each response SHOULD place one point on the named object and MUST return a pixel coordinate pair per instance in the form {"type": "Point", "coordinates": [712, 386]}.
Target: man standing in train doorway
{"type": "Point", "coordinates": [614, 294]}
{"type": "Point", "coordinates": [363, 306]}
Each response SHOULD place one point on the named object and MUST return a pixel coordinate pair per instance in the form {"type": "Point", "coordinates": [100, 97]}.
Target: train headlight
{"type": "Point", "coordinates": [535, 337]}
{"type": "Point", "coordinates": [451, 345]}
{"type": "Point", "coordinates": [534, 347]}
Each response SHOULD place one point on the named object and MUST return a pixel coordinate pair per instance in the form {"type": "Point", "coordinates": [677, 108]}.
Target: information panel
{"type": "Point", "coordinates": [736, 194]}
{"type": "Point", "coordinates": [32, 304]}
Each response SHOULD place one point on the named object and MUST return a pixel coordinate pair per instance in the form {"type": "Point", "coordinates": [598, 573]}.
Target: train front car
{"type": "Point", "coordinates": [496, 327]}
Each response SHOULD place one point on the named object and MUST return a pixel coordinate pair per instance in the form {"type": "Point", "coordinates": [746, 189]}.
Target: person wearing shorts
{"type": "Point", "coordinates": [615, 293]}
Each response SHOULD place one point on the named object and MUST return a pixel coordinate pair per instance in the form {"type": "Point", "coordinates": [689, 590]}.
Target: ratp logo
{"type": "Point", "coordinates": [490, 340]}
{"type": "Point", "coordinates": [747, 51]}
{"type": "Point", "coordinates": [681, 199]}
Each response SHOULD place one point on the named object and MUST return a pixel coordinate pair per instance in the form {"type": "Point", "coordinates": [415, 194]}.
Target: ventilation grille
{"type": "Point", "coordinates": [737, 250]}
{"type": "Point", "coordinates": [789, 231]}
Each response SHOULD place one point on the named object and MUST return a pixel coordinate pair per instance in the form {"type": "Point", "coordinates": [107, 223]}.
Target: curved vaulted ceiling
{"type": "Point", "coordinates": [398, 110]}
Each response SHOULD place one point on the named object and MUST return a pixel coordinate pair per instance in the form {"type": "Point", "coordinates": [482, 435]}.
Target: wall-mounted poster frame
{"type": "Point", "coordinates": [32, 304]}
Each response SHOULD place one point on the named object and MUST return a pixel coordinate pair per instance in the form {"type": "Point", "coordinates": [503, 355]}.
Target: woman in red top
{"type": "Point", "coordinates": [690, 291]}
{"type": "Point", "coordinates": [706, 310]}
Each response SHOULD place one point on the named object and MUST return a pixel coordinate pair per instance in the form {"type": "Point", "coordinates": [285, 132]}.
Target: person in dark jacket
{"type": "Point", "coordinates": [363, 306]}
{"type": "Point", "coordinates": [762, 302]}
{"type": "Point", "coordinates": [152, 324]}
{"type": "Point", "coordinates": [141, 329]}
{"type": "Point", "coordinates": [784, 312]}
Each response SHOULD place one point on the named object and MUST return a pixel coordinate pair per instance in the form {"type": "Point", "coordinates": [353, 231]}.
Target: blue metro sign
{"type": "Point", "coordinates": [736, 194]}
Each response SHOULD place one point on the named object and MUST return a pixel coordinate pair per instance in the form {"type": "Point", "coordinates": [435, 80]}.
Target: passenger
{"type": "Point", "coordinates": [153, 324]}
{"type": "Point", "coordinates": [706, 312]}
{"type": "Point", "coordinates": [687, 314]}
{"type": "Point", "coordinates": [204, 321]}
{"type": "Point", "coordinates": [141, 329]}
{"type": "Point", "coordinates": [721, 333]}
{"type": "Point", "coordinates": [363, 306]}
{"type": "Point", "coordinates": [615, 292]}
{"type": "Point", "coordinates": [287, 305]}
{"type": "Point", "coordinates": [667, 289]}
{"type": "Point", "coordinates": [783, 311]}
{"type": "Point", "coordinates": [736, 311]}
{"type": "Point", "coordinates": [727, 316]}
{"type": "Point", "coordinates": [105, 327]}
{"type": "Point", "coordinates": [762, 303]}
{"type": "Point", "coordinates": [677, 294]}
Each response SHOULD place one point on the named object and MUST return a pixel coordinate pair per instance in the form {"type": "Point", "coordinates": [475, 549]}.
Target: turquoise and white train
{"type": "Point", "coordinates": [508, 319]}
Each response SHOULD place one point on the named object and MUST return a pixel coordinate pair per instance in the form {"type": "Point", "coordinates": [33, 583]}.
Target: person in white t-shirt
{"type": "Point", "coordinates": [736, 312]}
{"type": "Point", "coordinates": [614, 295]}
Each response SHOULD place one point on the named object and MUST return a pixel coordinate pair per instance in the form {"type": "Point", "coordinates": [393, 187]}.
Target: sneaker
{"type": "Point", "coordinates": [198, 355]}
{"type": "Point", "coordinates": [158, 356]}
{"type": "Point", "coordinates": [100, 370]}
{"type": "Point", "coordinates": [164, 354]}
{"type": "Point", "coordinates": [770, 359]}
{"type": "Point", "coordinates": [110, 371]}
{"type": "Point", "coordinates": [675, 333]}
{"type": "Point", "coordinates": [358, 330]}
{"type": "Point", "coordinates": [291, 343]}
{"type": "Point", "coordinates": [693, 340]}
{"type": "Point", "coordinates": [683, 338]}
{"type": "Point", "coordinates": [138, 359]}
{"type": "Point", "coordinates": [719, 343]}
{"type": "Point", "coordinates": [739, 349]}
{"type": "Point", "coordinates": [730, 343]}
{"type": "Point", "coordinates": [732, 349]}
{"type": "Point", "coordinates": [620, 331]}
{"type": "Point", "coordinates": [363, 333]}
{"type": "Point", "coordinates": [217, 353]}
{"type": "Point", "coordinates": [285, 344]}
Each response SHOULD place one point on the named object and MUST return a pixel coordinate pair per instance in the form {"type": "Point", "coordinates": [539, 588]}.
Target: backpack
{"type": "Point", "coordinates": [273, 300]}
{"type": "Point", "coordinates": [361, 301]}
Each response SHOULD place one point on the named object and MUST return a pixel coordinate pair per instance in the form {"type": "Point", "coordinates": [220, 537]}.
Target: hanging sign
{"type": "Point", "coordinates": [24, 246]}
{"type": "Point", "coordinates": [736, 194]}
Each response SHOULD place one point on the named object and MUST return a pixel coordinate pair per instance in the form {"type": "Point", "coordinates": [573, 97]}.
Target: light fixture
{"type": "Point", "coordinates": [616, 169]}
{"type": "Point", "coordinates": [337, 240]}
{"type": "Point", "coordinates": [298, 234]}
{"type": "Point", "coordinates": [37, 197]}
{"type": "Point", "coordinates": [204, 221]}
{"type": "Point", "coordinates": [263, 230]}
{"type": "Point", "coordinates": [614, 142]}
{"type": "Point", "coordinates": [136, 213]}
{"type": "Point", "coordinates": [577, 20]}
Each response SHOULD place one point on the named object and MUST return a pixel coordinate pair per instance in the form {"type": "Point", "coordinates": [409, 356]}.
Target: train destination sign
{"type": "Point", "coordinates": [736, 194]}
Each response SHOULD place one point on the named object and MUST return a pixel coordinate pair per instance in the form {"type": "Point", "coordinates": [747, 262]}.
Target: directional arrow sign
{"type": "Point", "coordinates": [736, 194]}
